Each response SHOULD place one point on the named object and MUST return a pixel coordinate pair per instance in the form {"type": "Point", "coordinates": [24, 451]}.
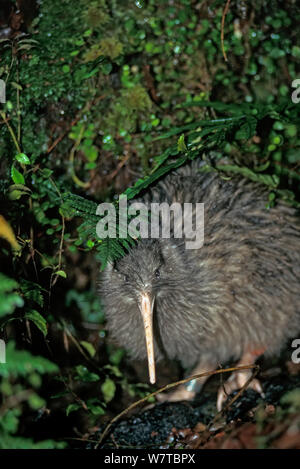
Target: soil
{"type": "Point", "coordinates": [251, 421]}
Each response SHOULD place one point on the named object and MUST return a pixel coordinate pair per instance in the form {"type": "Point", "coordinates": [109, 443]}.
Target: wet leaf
{"type": "Point", "coordinates": [38, 320]}
{"type": "Point", "coordinates": [108, 388]}
{"type": "Point", "coordinates": [16, 176]}
{"type": "Point", "coordinates": [22, 158]}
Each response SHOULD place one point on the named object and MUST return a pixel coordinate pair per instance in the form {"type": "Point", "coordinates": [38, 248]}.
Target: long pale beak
{"type": "Point", "coordinates": [146, 307]}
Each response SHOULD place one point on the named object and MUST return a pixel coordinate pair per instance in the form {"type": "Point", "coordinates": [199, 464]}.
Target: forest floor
{"type": "Point", "coordinates": [251, 422]}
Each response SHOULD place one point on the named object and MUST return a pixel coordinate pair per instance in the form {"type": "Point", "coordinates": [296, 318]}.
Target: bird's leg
{"type": "Point", "coordinates": [187, 391]}
{"type": "Point", "coordinates": [239, 378]}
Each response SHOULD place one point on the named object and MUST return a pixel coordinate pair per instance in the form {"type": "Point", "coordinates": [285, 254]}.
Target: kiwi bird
{"type": "Point", "coordinates": [235, 298]}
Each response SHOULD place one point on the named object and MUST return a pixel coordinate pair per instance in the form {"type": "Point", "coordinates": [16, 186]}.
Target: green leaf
{"type": "Point", "coordinates": [72, 408]}
{"type": "Point", "coordinates": [38, 320]}
{"type": "Point", "coordinates": [263, 167]}
{"type": "Point", "coordinates": [22, 158]}
{"type": "Point", "coordinates": [22, 362]}
{"type": "Point", "coordinates": [108, 388]}
{"type": "Point", "coordinates": [14, 442]}
{"type": "Point", "coordinates": [95, 406]}
{"type": "Point", "coordinates": [116, 356]}
{"type": "Point", "coordinates": [32, 291]}
{"type": "Point", "coordinates": [91, 165]}
{"type": "Point", "coordinates": [181, 144]}
{"type": "Point", "coordinates": [106, 68]}
{"type": "Point", "coordinates": [114, 369]}
{"type": "Point", "coordinates": [10, 420]}
{"type": "Point", "coordinates": [9, 300]}
{"type": "Point", "coordinates": [267, 179]}
{"type": "Point", "coordinates": [85, 375]}
{"type": "Point", "coordinates": [47, 172]}
{"type": "Point", "coordinates": [36, 402]}
{"type": "Point", "coordinates": [88, 347]}
{"type": "Point", "coordinates": [91, 152]}
{"type": "Point", "coordinates": [16, 85]}
{"type": "Point", "coordinates": [15, 191]}
{"type": "Point", "coordinates": [15, 195]}
{"type": "Point", "coordinates": [96, 410]}
{"type": "Point", "coordinates": [16, 176]}
{"type": "Point", "coordinates": [66, 68]}
{"type": "Point", "coordinates": [87, 33]}
{"type": "Point", "coordinates": [25, 47]}
{"type": "Point", "coordinates": [61, 273]}
{"type": "Point", "coordinates": [7, 284]}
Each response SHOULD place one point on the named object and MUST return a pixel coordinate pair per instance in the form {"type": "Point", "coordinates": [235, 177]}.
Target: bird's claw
{"type": "Point", "coordinates": [180, 394]}
{"type": "Point", "coordinates": [184, 392]}
{"type": "Point", "coordinates": [236, 381]}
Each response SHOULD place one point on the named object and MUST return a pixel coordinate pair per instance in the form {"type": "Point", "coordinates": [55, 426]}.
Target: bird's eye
{"type": "Point", "coordinates": [125, 277]}
{"type": "Point", "coordinates": [157, 273]}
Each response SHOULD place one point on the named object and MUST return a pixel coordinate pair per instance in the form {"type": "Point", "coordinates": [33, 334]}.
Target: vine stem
{"type": "Point", "coordinates": [222, 29]}
{"type": "Point", "coordinates": [18, 104]}
{"type": "Point", "coordinates": [75, 178]}
{"type": "Point", "coordinates": [13, 136]}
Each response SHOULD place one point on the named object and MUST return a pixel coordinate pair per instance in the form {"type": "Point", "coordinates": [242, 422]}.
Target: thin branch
{"type": "Point", "coordinates": [60, 250]}
{"type": "Point", "coordinates": [61, 137]}
{"type": "Point", "coordinates": [2, 114]}
{"type": "Point", "coordinates": [173, 385]}
{"type": "Point", "coordinates": [120, 165]}
{"type": "Point", "coordinates": [75, 178]}
{"type": "Point", "coordinates": [18, 104]}
{"type": "Point", "coordinates": [74, 122]}
{"type": "Point", "coordinates": [225, 11]}
{"type": "Point", "coordinates": [229, 404]}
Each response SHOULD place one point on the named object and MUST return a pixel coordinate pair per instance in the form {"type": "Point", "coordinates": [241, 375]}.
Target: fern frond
{"type": "Point", "coordinates": [198, 137]}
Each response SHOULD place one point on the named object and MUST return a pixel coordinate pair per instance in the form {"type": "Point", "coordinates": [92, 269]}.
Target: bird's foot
{"type": "Point", "coordinates": [181, 394]}
{"type": "Point", "coordinates": [184, 392]}
{"type": "Point", "coordinates": [236, 381]}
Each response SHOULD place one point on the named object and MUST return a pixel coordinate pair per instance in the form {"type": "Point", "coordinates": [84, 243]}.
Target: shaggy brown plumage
{"type": "Point", "coordinates": [239, 292]}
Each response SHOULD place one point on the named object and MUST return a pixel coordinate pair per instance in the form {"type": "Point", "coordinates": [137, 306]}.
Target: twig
{"type": "Point", "coordinates": [18, 104]}
{"type": "Point", "coordinates": [120, 165]}
{"type": "Point", "coordinates": [11, 63]}
{"type": "Point", "coordinates": [114, 441]}
{"type": "Point", "coordinates": [2, 114]}
{"type": "Point", "coordinates": [173, 385]}
{"type": "Point", "coordinates": [76, 343]}
{"type": "Point", "coordinates": [31, 243]}
{"type": "Point", "coordinates": [150, 83]}
{"type": "Point", "coordinates": [225, 11]}
{"type": "Point", "coordinates": [229, 404]}
{"type": "Point", "coordinates": [77, 398]}
{"type": "Point", "coordinates": [74, 122]}
{"type": "Point", "coordinates": [60, 137]}
{"type": "Point", "coordinates": [60, 250]}
{"type": "Point", "coordinates": [75, 178]}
